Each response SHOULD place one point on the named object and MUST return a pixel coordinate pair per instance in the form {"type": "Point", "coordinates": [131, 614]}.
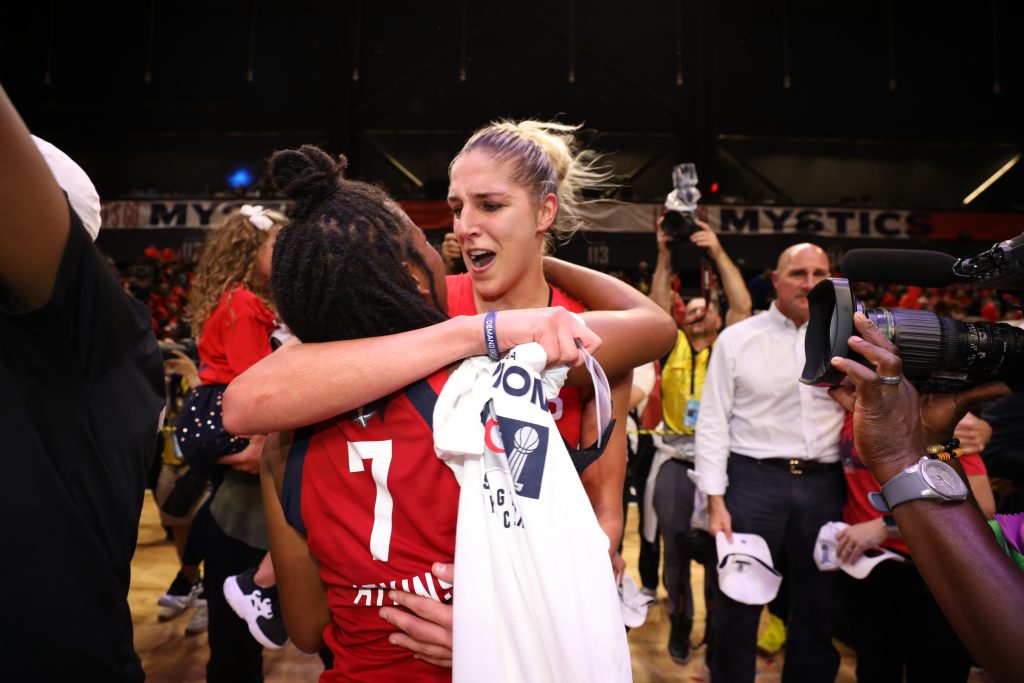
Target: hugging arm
{"type": "Point", "coordinates": [303, 596]}
{"type": "Point", "coordinates": [604, 479]}
{"type": "Point", "coordinates": [634, 330]}
{"type": "Point", "coordinates": [303, 384]}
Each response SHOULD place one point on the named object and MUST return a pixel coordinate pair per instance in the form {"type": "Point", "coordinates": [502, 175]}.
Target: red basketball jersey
{"type": "Point", "coordinates": [568, 407]}
{"type": "Point", "coordinates": [378, 508]}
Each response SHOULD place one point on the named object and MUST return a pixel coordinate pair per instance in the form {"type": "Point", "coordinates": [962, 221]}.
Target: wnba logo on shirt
{"type": "Point", "coordinates": [526, 447]}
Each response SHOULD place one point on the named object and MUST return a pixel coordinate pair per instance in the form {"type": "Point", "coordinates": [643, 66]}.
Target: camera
{"type": "Point", "coordinates": [939, 354]}
{"type": "Point", "coordinates": [681, 204]}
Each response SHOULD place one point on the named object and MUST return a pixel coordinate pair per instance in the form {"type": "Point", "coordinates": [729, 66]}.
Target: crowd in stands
{"type": "Point", "coordinates": [160, 279]}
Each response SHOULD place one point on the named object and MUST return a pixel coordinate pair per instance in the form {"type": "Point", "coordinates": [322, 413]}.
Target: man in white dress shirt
{"type": "Point", "coordinates": [768, 458]}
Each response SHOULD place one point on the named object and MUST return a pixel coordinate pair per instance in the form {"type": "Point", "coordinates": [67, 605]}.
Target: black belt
{"type": "Point", "coordinates": [795, 465]}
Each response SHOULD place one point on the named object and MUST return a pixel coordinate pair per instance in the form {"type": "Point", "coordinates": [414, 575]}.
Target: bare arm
{"type": "Point", "coordinates": [979, 588]}
{"type": "Point", "coordinates": [34, 215]}
{"type": "Point", "coordinates": [604, 479]}
{"type": "Point", "coordinates": [661, 281]}
{"type": "Point", "coordinates": [983, 496]}
{"type": "Point", "coordinates": [306, 383]}
{"type": "Point", "coordinates": [303, 596]}
{"type": "Point", "coordinates": [740, 304]}
{"type": "Point", "coordinates": [633, 329]}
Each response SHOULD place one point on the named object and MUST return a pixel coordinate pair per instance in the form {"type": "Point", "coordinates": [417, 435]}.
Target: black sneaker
{"type": "Point", "coordinates": [259, 607]}
{"type": "Point", "coordinates": [181, 596]}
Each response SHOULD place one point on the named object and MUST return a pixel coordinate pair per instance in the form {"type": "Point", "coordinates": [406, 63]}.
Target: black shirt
{"type": "Point", "coordinates": [1004, 453]}
{"type": "Point", "coordinates": [81, 390]}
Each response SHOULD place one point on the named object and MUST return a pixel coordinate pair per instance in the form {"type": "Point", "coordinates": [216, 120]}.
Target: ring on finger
{"type": "Point", "coordinates": [890, 379]}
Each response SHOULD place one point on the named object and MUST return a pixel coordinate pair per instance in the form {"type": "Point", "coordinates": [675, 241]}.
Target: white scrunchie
{"type": "Point", "coordinates": [257, 216]}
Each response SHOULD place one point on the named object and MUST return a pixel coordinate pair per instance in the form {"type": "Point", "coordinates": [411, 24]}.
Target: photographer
{"type": "Point", "coordinates": [978, 587]}
{"type": "Point", "coordinates": [669, 488]}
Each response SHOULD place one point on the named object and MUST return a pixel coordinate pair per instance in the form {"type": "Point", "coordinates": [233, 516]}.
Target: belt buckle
{"type": "Point", "coordinates": [795, 465]}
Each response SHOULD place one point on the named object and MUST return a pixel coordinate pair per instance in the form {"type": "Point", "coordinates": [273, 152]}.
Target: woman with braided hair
{"type": "Point", "coordinates": [352, 271]}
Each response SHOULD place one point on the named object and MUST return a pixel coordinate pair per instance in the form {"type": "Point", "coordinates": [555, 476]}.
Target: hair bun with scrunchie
{"type": "Point", "coordinates": [307, 175]}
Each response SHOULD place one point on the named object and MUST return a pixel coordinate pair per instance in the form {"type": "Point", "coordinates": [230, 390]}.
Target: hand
{"type": "Point", "coordinates": [248, 459]}
{"type": "Point", "coordinates": [857, 538]}
{"type": "Point", "coordinates": [183, 365]}
{"type": "Point", "coordinates": [719, 518]}
{"type": "Point", "coordinates": [554, 328]}
{"type": "Point", "coordinates": [973, 433]}
{"type": "Point", "coordinates": [618, 567]}
{"type": "Point", "coordinates": [891, 424]}
{"type": "Point", "coordinates": [425, 624]}
{"type": "Point", "coordinates": [705, 238]}
{"type": "Point", "coordinates": [451, 252]}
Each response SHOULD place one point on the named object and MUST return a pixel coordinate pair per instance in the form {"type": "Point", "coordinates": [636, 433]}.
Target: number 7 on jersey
{"type": "Point", "coordinates": [379, 455]}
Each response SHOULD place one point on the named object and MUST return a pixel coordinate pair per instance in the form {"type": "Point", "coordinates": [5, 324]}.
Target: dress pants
{"type": "Point", "coordinates": [673, 502]}
{"type": "Point", "coordinates": [650, 553]}
{"type": "Point", "coordinates": [787, 510]}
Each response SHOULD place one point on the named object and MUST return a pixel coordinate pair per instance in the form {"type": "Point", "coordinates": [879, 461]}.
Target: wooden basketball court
{"type": "Point", "coordinates": [169, 656]}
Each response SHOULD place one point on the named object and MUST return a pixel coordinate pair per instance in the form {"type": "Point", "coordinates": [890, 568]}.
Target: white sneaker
{"type": "Point", "coordinates": [259, 607]}
{"type": "Point", "coordinates": [198, 622]}
{"type": "Point", "coordinates": [179, 597]}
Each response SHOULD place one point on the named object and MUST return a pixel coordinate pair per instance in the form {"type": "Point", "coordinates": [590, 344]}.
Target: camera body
{"type": "Point", "coordinates": [679, 224]}
{"type": "Point", "coordinates": [680, 219]}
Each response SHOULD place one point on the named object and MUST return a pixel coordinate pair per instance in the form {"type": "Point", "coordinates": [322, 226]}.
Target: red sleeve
{"type": "Point", "coordinates": [247, 337]}
{"type": "Point", "coordinates": [973, 464]}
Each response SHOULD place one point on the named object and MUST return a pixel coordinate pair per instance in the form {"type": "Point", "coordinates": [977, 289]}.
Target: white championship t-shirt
{"type": "Point", "coordinates": [535, 597]}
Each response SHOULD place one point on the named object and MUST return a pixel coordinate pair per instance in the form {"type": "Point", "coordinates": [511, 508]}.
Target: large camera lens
{"type": "Point", "coordinates": [939, 354]}
{"type": "Point", "coordinates": [679, 223]}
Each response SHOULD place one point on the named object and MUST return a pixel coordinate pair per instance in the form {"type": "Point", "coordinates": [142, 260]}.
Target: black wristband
{"type": "Point", "coordinates": [490, 336]}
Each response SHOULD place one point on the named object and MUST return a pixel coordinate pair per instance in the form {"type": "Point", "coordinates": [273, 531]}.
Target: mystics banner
{"type": "Point", "coordinates": [608, 216]}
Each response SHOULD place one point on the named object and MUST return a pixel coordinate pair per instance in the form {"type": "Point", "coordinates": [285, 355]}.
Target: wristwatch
{"type": "Point", "coordinates": [926, 479]}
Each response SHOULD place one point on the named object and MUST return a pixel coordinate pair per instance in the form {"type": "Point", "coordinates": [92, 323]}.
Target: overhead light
{"type": "Point", "coordinates": [240, 179]}
{"type": "Point", "coordinates": [994, 177]}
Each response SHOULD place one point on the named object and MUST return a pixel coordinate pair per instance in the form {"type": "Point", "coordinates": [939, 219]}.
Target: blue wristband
{"type": "Point", "coordinates": [490, 338]}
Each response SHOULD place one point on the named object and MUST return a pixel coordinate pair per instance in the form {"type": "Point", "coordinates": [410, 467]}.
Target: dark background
{"type": "Point", "coordinates": [866, 103]}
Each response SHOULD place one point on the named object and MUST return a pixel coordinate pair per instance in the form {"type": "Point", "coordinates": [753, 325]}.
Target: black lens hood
{"type": "Point", "coordinates": [832, 306]}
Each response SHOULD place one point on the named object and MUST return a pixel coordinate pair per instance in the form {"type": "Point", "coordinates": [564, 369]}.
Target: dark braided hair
{"type": "Point", "coordinates": [338, 269]}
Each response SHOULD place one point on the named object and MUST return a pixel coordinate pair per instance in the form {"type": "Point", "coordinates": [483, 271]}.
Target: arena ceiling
{"type": "Point", "coordinates": [877, 103]}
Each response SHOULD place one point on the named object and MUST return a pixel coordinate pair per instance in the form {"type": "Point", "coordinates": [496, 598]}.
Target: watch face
{"type": "Point", "coordinates": [943, 478]}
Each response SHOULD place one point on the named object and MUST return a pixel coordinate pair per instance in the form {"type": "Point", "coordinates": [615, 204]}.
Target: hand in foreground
{"type": "Point", "coordinates": [891, 424]}
{"type": "Point", "coordinates": [554, 328]}
{"type": "Point", "coordinates": [855, 539]}
{"type": "Point", "coordinates": [425, 624]}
